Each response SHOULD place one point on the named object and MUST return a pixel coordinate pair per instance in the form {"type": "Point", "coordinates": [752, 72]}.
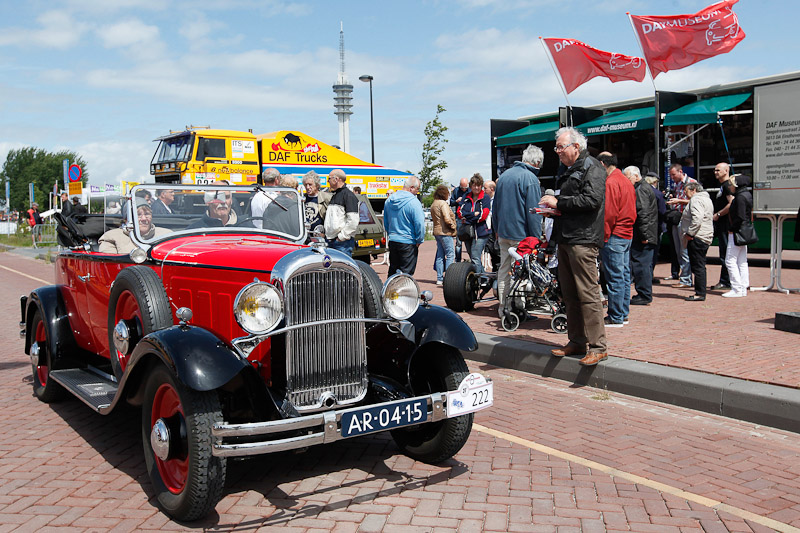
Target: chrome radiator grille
{"type": "Point", "coordinates": [329, 358]}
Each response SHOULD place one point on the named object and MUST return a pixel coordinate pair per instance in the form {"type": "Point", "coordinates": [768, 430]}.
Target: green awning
{"type": "Point", "coordinates": [621, 121]}
{"type": "Point", "coordinates": [535, 133]}
{"type": "Point", "coordinates": [704, 111]}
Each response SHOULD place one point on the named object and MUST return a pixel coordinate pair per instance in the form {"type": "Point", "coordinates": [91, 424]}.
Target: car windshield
{"type": "Point", "coordinates": [165, 209]}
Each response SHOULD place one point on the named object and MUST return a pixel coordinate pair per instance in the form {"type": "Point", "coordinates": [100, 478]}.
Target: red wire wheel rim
{"type": "Point", "coordinates": [127, 308]}
{"type": "Point", "coordinates": [42, 370]}
{"type": "Point", "coordinates": [167, 405]}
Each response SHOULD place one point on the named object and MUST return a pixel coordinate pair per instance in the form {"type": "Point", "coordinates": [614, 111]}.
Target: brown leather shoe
{"type": "Point", "coordinates": [593, 358]}
{"type": "Point", "coordinates": [569, 349]}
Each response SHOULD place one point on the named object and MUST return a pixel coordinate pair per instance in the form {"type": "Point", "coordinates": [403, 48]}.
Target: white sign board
{"type": "Point", "coordinates": [776, 184]}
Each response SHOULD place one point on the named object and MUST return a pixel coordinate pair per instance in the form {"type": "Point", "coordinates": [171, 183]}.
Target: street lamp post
{"type": "Point", "coordinates": [368, 78]}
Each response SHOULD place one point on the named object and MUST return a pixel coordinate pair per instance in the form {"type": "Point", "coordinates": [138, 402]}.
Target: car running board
{"type": "Point", "coordinates": [93, 390]}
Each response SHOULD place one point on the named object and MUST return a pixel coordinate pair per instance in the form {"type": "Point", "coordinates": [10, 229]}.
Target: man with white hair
{"type": "Point", "coordinates": [404, 221]}
{"type": "Point", "coordinates": [645, 237]}
{"type": "Point", "coordinates": [271, 177]}
{"type": "Point", "coordinates": [341, 218]}
{"type": "Point", "coordinates": [579, 233]}
{"type": "Point", "coordinates": [518, 192]}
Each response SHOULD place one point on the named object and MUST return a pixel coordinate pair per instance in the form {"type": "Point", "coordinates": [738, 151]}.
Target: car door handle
{"type": "Point", "coordinates": [85, 278]}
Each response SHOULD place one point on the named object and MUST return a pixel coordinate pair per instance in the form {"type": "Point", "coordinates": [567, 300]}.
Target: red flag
{"type": "Point", "coordinates": [578, 63]}
{"type": "Point", "coordinates": [677, 41]}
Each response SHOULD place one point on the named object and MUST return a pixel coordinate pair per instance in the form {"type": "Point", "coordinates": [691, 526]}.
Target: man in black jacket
{"type": "Point", "coordinates": [645, 237]}
{"type": "Point", "coordinates": [579, 232]}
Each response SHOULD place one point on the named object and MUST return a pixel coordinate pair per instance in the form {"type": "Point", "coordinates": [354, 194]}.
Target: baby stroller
{"type": "Point", "coordinates": [534, 290]}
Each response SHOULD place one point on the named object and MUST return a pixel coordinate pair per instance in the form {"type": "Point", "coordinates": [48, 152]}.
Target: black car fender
{"type": "Point", "coordinates": [433, 323]}
{"type": "Point", "coordinates": [50, 303]}
{"type": "Point", "coordinates": [200, 360]}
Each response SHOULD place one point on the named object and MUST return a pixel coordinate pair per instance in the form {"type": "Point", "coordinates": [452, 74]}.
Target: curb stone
{"type": "Point", "coordinates": [759, 403]}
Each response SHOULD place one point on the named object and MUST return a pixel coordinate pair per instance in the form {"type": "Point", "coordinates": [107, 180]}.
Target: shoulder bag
{"type": "Point", "coordinates": [746, 234]}
{"type": "Point", "coordinates": [466, 232]}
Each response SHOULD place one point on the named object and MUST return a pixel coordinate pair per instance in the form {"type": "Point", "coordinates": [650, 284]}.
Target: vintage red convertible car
{"type": "Point", "coordinates": [238, 340]}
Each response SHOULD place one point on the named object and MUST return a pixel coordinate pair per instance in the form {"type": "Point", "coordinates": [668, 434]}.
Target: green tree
{"type": "Point", "coordinates": [37, 166]}
{"type": "Point", "coordinates": [432, 164]}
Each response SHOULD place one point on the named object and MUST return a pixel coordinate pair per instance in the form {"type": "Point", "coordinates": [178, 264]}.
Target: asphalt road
{"type": "Point", "coordinates": [549, 456]}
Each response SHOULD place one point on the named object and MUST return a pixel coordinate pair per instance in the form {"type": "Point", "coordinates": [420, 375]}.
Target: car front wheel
{"type": "Point", "coordinates": [44, 387]}
{"type": "Point", "coordinates": [176, 433]}
{"type": "Point", "coordinates": [436, 370]}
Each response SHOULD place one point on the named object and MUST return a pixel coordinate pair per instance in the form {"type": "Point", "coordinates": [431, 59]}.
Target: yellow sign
{"type": "Point", "coordinates": [75, 188]}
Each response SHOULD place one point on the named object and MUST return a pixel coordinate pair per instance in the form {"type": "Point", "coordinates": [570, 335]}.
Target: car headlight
{"type": "Point", "coordinates": [258, 308]}
{"type": "Point", "coordinates": [400, 296]}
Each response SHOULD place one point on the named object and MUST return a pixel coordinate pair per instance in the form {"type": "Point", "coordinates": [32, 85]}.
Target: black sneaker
{"type": "Point", "coordinates": [639, 301]}
{"type": "Point", "coordinates": [609, 324]}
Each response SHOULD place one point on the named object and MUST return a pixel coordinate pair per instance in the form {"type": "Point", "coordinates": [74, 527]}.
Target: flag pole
{"type": "Point", "coordinates": [555, 71]}
{"type": "Point", "coordinates": [641, 48]}
{"type": "Point", "coordinates": [656, 106]}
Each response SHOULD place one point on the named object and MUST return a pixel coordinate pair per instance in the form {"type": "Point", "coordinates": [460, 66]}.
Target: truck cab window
{"type": "Point", "coordinates": [210, 148]}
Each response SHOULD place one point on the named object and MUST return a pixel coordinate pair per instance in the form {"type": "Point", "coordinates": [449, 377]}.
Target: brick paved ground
{"type": "Point", "coordinates": [64, 467]}
{"type": "Point", "coordinates": [727, 336]}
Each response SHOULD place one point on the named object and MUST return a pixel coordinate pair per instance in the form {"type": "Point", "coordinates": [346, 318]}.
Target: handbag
{"type": "Point", "coordinates": [746, 234]}
{"type": "Point", "coordinates": [466, 232]}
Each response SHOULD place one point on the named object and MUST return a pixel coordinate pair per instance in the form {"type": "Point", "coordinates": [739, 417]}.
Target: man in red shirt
{"type": "Point", "coordinates": [620, 214]}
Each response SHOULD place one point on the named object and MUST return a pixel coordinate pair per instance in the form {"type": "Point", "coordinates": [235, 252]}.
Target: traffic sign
{"type": "Point", "coordinates": [75, 188]}
{"type": "Point", "coordinates": [75, 172]}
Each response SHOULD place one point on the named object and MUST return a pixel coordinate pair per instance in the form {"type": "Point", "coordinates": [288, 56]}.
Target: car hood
{"type": "Point", "coordinates": [247, 252]}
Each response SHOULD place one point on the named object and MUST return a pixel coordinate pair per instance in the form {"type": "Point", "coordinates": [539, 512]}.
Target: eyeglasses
{"type": "Point", "coordinates": [561, 148]}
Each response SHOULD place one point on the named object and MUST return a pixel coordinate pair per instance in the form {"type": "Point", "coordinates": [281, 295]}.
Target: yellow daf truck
{"type": "Point", "coordinates": [205, 156]}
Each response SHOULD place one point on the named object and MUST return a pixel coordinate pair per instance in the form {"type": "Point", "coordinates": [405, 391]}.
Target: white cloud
{"type": "Point", "coordinates": [208, 94]}
{"type": "Point", "coordinates": [115, 161]}
{"type": "Point", "coordinates": [57, 29]}
{"type": "Point", "coordinates": [56, 75]}
{"type": "Point", "coordinates": [127, 33]}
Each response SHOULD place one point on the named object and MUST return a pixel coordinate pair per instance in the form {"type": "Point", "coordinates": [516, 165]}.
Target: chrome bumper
{"type": "Point", "coordinates": [327, 429]}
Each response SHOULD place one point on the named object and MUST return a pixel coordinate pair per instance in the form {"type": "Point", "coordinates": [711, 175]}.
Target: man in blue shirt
{"type": "Point", "coordinates": [404, 221]}
{"type": "Point", "coordinates": [518, 192]}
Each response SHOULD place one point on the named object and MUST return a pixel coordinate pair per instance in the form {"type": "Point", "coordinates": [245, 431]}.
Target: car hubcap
{"type": "Point", "coordinates": [159, 439]}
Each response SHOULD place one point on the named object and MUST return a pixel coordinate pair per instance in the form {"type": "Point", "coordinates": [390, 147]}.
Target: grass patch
{"type": "Point", "coordinates": [602, 396]}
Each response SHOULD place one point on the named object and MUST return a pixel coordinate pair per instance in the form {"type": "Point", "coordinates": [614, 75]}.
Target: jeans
{"type": "Point", "coordinates": [343, 246]}
{"type": "Point", "coordinates": [685, 275]}
{"type": "Point", "coordinates": [642, 269]}
{"type": "Point", "coordinates": [722, 240]}
{"type": "Point", "coordinates": [476, 246]}
{"type": "Point", "coordinates": [445, 254]}
{"type": "Point", "coordinates": [736, 264]}
{"type": "Point", "coordinates": [617, 264]}
{"type": "Point", "coordinates": [697, 257]}
{"type": "Point", "coordinates": [458, 241]}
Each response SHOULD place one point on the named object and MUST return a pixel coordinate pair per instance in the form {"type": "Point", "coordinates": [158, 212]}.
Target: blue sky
{"type": "Point", "coordinates": [105, 78]}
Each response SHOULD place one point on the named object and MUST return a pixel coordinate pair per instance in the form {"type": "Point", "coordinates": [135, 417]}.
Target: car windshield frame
{"type": "Point", "coordinates": [195, 207]}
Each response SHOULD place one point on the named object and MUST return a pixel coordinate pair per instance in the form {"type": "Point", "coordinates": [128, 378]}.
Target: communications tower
{"type": "Point", "coordinates": [343, 98]}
